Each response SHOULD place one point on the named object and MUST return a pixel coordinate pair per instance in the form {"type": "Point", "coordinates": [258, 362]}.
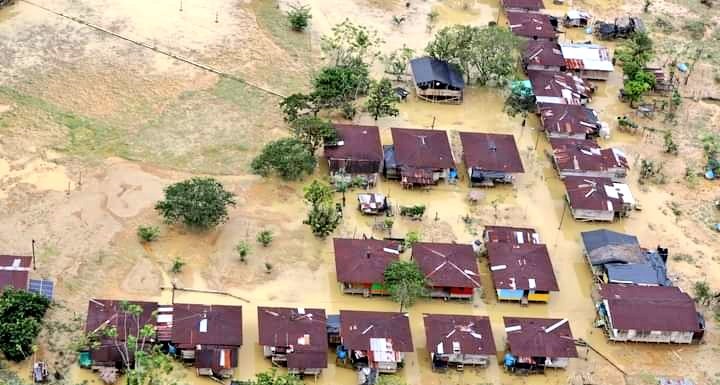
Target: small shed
{"type": "Point", "coordinates": [543, 55]}
{"type": "Point", "coordinates": [357, 153]}
{"type": "Point", "coordinates": [209, 336]}
{"type": "Point", "coordinates": [584, 157]}
{"type": "Point", "coordinates": [657, 314]}
{"type": "Point", "coordinates": [575, 18]}
{"type": "Point", "coordinates": [522, 272]}
{"type": "Point", "coordinates": [559, 88]}
{"type": "Point", "coordinates": [437, 81]}
{"type": "Point", "coordinates": [294, 337]}
{"type": "Point", "coordinates": [568, 121]}
{"type": "Point", "coordinates": [598, 199]}
{"type": "Point", "coordinates": [534, 344]}
{"type": "Point", "coordinates": [378, 340]}
{"type": "Point", "coordinates": [532, 25]}
{"type": "Point", "coordinates": [458, 340]}
{"type": "Point", "coordinates": [589, 61]}
{"type": "Point", "coordinates": [450, 269]}
{"type": "Point", "coordinates": [490, 158]}
{"type": "Point", "coordinates": [360, 264]}
{"type": "Point", "coordinates": [534, 6]}
{"type": "Point", "coordinates": [420, 157]}
{"type": "Point", "coordinates": [14, 271]}
{"type": "Point", "coordinates": [511, 235]}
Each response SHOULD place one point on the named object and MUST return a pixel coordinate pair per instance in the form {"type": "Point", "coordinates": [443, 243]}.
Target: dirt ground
{"type": "Point", "coordinates": [92, 128]}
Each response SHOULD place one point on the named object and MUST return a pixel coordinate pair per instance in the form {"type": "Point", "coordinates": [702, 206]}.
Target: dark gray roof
{"type": "Point", "coordinates": [427, 69]}
{"type": "Point", "coordinates": [605, 246]}
{"type": "Point", "coordinates": [652, 272]}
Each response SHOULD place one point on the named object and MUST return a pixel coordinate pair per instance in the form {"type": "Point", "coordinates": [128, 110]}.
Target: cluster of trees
{"type": "Point", "coordinates": [323, 218]}
{"type": "Point", "coordinates": [21, 315]}
{"type": "Point", "coordinates": [634, 55]}
{"type": "Point", "coordinates": [487, 55]}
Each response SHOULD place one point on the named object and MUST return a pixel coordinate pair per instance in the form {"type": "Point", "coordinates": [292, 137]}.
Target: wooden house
{"type": "Point", "coordinates": [543, 55]}
{"type": "Point", "coordinates": [589, 61]}
{"type": "Point", "coordinates": [583, 157]}
{"type": "Point", "coordinates": [458, 340]}
{"type": "Point", "coordinates": [521, 272]}
{"type": "Point", "coordinates": [490, 158]}
{"type": "Point", "coordinates": [559, 88]}
{"type": "Point", "coordinates": [598, 199]}
{"type": "Point", "coordinates": [532, 25]}
{"type": "Point", "coordinates": [569, 121]}
{"type": "Point", "coordinates": [360, 264]}
{"type": "Point", "coordinates": [437, 81]}
{"type": "Point", "coordinates": [295, 338]}
{"type": "Point", "coordinates": [450, 269]}
{"type": "Point", "coordinates": [14, 271]}
{"type": "Point", "coordinates": [208, 336]}
{"type": "Point", "coordinates": [376, 340]}
{"type": "Point", "coordinates": [357, 153]}
{"type": "Point", "coordinates": [534, 344]}
{"type": "Point", "coordinates": [511, 235]}
{"type": "Point", "coordinates": [658, 314]}
{"type": "Point", "coordinates": [532, 6]}
{"type": "Point", "coordinates": [419, 157]}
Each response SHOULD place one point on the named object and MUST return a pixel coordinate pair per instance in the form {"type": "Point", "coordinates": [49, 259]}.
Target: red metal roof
{"type": "Point", "coordinates": [491, 152]}
{"type": "Point", "coordinates": [532, 340]}
{"type": "Point", "coordinates": [515, 267]}
{"type": "Point", "coordinates": [360, 145]}
{"type": "Point", "coordinates": [574, 64]}
{"type": "Point", "coordinates": [103, 313]}
{"type": "Point", "coordinates": [447, 264]}
{"type": "Point", "coordinates": [544, 53]}
{"type": "Point", "coordinates": [650, 308]}
{"type": "Point", "coordinates": [422, 148]}
{"type": "Point", "coordinates": [571, 88]}
{"type": "Point", "coordinates": [511, 235]}
{"type": "Point", "coordinates": [363, 260]}
{"type": "Point", "coordinates": [222, 326]}
{"type": "Point", "coordinates": [591, 193]}
{"type": "Point", "coordinates": [585, 155]}
{"type": "Point", "coordinates": [567, 119]}
{"type": "Point", "coordinates": [532, 5]}
{"type": "Point", "coordinates": [358, 327]}
{"type": "Point", "coordinates": [302, 329]}
{"type": "Point", "coordinates": [14, 271]}
{"type": "Point", "coordinates": [472, 333]}
{"type": "Point", "coordinates": [531, 25]}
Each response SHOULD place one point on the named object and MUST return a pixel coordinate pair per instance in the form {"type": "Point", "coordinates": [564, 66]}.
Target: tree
{"type": "Point", "coordinates": [272, 377]}
{"type": "Point", "coordinates": [313, 131]}
{"type": "Point", "coordinates": [397, 61]}
{"type": "Point", "coordinates": [334, 86]}
{"type": "Point", "coordinates": [21, 315]}
{"type": "Point", "coordinates": [317, 193]}
{"type": "Point", "coordinates": [703, 293]}
{"type": "Point", "coordinates": [488, 54]}
{"type": "Point", "coordinates": [638, 48]}
{"type": "Point", "coordinates": [350, 44]}
{"type": "Point", "coordinates": [634, 90]}
{"type": "Point", "coordinates": [382, 100]}
{"type": "Point", "coordinates": [287, 157]}
{"type": "Point", "coordinates": [323, 219]}
{"type": "Point", "coordinates": [299, 17]}
{"type": "Point", "coordinates": [405, 282]}
{"type": "Point", "coordinates": [148, 233]}
{"type": "Point", "coordinates": [411, 238]}
{"type": "Point", "coordinates": [297, 105]}
{"type": "Point", "coordinates": [197, 202]}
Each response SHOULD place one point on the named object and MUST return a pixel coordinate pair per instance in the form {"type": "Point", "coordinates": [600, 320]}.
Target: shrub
{"type": "Point", "coordinates": [702, 291]}
{"type": "Point", "coordinates": [148, 233]}
{"type": "Point", "coordinates": [268, 267]}
{"type": "Point", "coordinates": [242, 249]}
{"type": "Point", "coordinates": [323, 219]}
{"type": "Point", "coordinates": [265, 237]}
{"type": "Point", "coordinates": [412, 238]}
{"type": "Point", "coordinates": [197, 202]}
{"type": "Point", "coordinates": [299, 17]}
{"type": "Point", "coordinates": [177, 266]}
{"type": "Point", "coordinates": [670, 146]}
{"type": "Point", "coordinates": [287, 157]}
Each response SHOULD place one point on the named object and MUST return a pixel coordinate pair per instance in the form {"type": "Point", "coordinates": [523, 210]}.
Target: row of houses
{"type": "Point", "coordinates": [420, 157]}
{"type": "Point", "coordinates": [209, 337]}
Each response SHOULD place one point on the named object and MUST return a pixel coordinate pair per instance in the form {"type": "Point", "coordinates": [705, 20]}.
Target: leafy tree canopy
{"type": "Point", "coordinates": [405, 282]}
{"type": "Point", "coordinates": [288, 157]}
{"type": "Point", "coordinates": [313, 131]}
{"type": "Point", "coordinates": [382, 100]}
{"type": "Point", "coordinates": [272, 377]}
{"type": "Point", "coordinates": [21, 315]}
{"type": "Point", "coordinates": [333, 86]}
{"type": "Point", "coordinates": [197, 202]}
{"type": "Point", "coordinates": [299, 17]}
{"type": "Point", "coordinates": [317, 193]}
{"type": "Point", "coordinates": [349, 44]}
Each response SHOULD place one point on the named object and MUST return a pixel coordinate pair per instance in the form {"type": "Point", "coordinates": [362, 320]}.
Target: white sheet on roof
{"type": "Point", "coordinates": [594, 57]}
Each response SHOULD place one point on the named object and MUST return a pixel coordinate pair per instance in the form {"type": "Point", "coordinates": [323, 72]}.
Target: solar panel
{"type": "Point", "coordinates": [41, 287]}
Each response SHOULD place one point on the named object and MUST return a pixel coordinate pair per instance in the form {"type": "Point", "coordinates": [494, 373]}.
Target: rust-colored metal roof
{"type": "Point", "coordinates": [14, 271]}
{"type": "Point", "coordinates": [473, 334]}
{"type": "Point", "coordinates": [567, 119]}
{"type": "Point", "coordinates": [532, 5]}
{"type": "Point", "coordinates": [544, 53]}
{"type": "Point", "coordinates": [491, 152]}
{"type": "Point", "coordinates": [571, 88]}
{"type": "Point", "coordinates": [447, 264]}
{"type": "Point", "coordinates": [302, 329]}
{"type": "Point", "coordinates": [213, 325]}
{"type": "Point", "coordinates": [363, 260]}
{"type": "Point", "coordinates": [520, 267]}
{"type": "Point", "coordinates": [586, 155]}
{"type": "Point", "coordinates": [422, 148]}
{"type": "Point", "coordinates": [650, 308]}
{"type": "Point", "coordinates": [511, 235]}
{"type": "Point", "coordinates": [360, 146]}
{"type": "Point", "coordinates": [593, 193]}
{"type": "Point", "coordinates": [532, 340]}
{"type": "Point", "coordinates": [358, 327]}
{"type": "Point", "coordinates": [530, 25]}
{"type": "Point", "coordinates": [105, 313]}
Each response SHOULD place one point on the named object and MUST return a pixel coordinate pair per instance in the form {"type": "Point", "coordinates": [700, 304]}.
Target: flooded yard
{"type": "Point", "coordinates": [81, 199]}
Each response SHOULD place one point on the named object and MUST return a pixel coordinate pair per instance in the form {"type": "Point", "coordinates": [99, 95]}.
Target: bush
{"type": "Point", "coordinates": [382, 100]}
{"type": "Point", "coordinates": [265, 237]}
{"type": "Point", "coordinates": [412, 238]}
{"type": "Point", "coordinates": [323, 219]}
{"type": "Point", "coordinates": [670, 146]}
{"type": "Point", "coordinates": [21, 315]}
{"type": "Point", "coordinates": [299, 17]}
{"type": "Point", "coordinates": [702, 291]}
{"type": "Point", "coordinates": [287, 157]}
{"type": "Point", "coordinates": [177, 266]}
{"type": "Point", "coordinates": [148, 233]}
{"type": "Point", "coordinates": [268, 267]}
{"type": "Point", "coordinates": [197, 202]}
{"type": "Point", "coordinates": [243, 249]}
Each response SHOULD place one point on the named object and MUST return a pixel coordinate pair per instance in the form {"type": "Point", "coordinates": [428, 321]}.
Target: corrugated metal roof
{"type": "Point", "coordinates": [531, 25]}
{"type": "Point", "coordinates": [491, 152]}
{"type": "Point", "coordinates": [512, 235]}
{"type": "Point", "coordinates": [544, 53]}
{"type": "Point", "coordinates": [567, 119]}
{"type": "Point", "coordinates": [358, 327]}
{"type": "Point", "coordinates": [422, 148]}
{"type": "Point", "coordinates": [599, 194]}
{"type": "Point", "coordinates": [302, 328]}
{"type": "Point", "coordinates": [473, 334]}
{"type": "Point", "coordinates": [214, 325]}
{"type": "Point", "coordinates": [586, 155]}
{"type": "Point", "coordinates": [447, 264]}
{"type": "Point", "coordinates": [427, 70]}
{"type": "Point", "coordinates": [363, 260]}
{"type": "Point", "coordinates": [531, 340]}
{"type": "Point", "coordinates": [513, 266]}
{"type": "Point", "coordinates": [532, 5]}
{"type": "Point", "coordinates": [587, 56]}
{"type": "Point", "coordinates": [360, 147]}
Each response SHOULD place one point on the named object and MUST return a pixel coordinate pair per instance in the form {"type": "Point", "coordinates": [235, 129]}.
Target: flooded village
{"type": "Point", "coordinates": [563, 230]}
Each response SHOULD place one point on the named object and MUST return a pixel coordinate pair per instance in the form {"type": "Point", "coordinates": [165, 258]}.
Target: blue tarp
{"type": "Point", "coordinates": [427, 71]}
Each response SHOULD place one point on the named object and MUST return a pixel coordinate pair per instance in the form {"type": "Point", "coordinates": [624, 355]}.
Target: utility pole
{"type": "Point", "coordinates": [33, 254]}
{"type": "Point", "coordinates": [433, 124]}
{"type": "Point", "coordinates": [562, 217]}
